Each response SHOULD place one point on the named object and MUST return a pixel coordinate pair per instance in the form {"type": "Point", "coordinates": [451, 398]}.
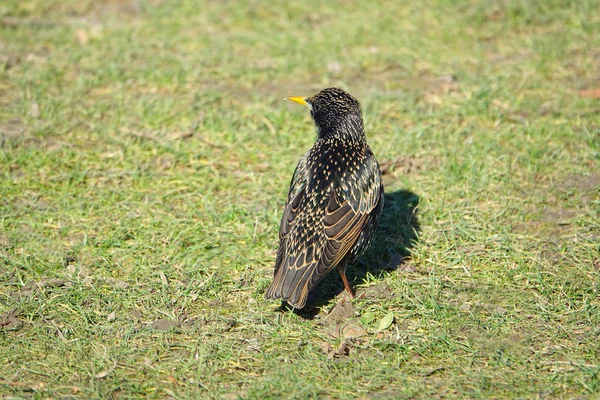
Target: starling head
{"type": "Point", "coordinates": [334, 112]}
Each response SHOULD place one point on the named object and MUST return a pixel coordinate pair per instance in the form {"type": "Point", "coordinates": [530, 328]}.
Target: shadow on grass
{"type": "Point", "coordinates": [397, 233]}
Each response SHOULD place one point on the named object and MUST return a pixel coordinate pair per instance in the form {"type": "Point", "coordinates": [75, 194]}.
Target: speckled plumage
{"type": "Point", "coordinates": [334, 201]}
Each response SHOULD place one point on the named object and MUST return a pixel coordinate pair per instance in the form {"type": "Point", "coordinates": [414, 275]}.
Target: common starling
{"type": "Point", "coordinates": [334, 201]}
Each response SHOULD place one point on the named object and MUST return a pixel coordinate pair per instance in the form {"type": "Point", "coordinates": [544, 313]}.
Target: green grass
{"type": "Point", "coordinates": [144, 161]}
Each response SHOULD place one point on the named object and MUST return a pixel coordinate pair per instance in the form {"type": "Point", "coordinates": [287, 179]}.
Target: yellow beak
{"type": "Point", "coordinates": [299, 100]}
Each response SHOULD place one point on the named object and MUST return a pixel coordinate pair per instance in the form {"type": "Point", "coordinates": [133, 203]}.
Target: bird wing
{"type": "Point", "coordinates": [316, 236]}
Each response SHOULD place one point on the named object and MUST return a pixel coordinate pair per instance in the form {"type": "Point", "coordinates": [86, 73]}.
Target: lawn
{"type": "Point", "coordinates": [145, 156]}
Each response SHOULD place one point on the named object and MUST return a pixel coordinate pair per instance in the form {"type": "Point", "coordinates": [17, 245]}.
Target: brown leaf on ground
{"type": "Point", "coordinates": [9, 61]}
{"type": "Point", "coordinates": [340, 312]}
{"type": "Point", "coordinates": [334, 66]}
{"type": "Point", "coordinates": [114, 282]}
{"type": "Point", "coordinates": [560, 216]}
{"type": "Point", "coordinates": [580, 182]}
{"type": "Point", "coordinates": [102, 374]}
{"type": "Point", "coordinates": [326, 347]}
{"type": "Point", "coordinates": [82, 37]}
{"type": "Point", "coordinates": [348, 331]}
{"type": "Point", "coordinates": [407, 267]}
{"type": "Point", "coordinates": [592, 93]}
{"type": "Point", "coordinates": [253, 344]}
{"type": "Point", "coordinates": [495, 16]}
{"type": "Point", "coordinates": [10, 322]}
{"type": "Point", "coordinates": [377, 292]}
{"type": "Point", "coordinates": [443, 84]}
{"type": "Point", "coordinates": [106, 372]}
{"type": "Point", "coordinates": [12, 129]}
{"type": "Point", "coordinates": [341, 351]}
{"type": "Point", "coordinates": [164, 324]}
{"type": "Point", "coordinates": [352, 331]}
{"type": "Point", "coordinates": [34, 111]}
{"type": "Point", "coordinates": [4, 241]}
{"type": "Point", "coordinates": [44, 283]}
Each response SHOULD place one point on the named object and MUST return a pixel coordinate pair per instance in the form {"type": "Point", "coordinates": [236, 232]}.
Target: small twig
{"type": "Point", "coordinates": [183, 135]}
{"type": "Point", "coordinates": [194, 132]}
{"type": "Point", "coordinates": [14, 22]}
{"type": "Point", "coordinates": [52, 323]}
{"type": "Point", "coordinates": [208, 141]}
{"type": "Point", "coordinates": [145, 136]}
{"type": "Point", "coordinates": [18, 384]}
{"type": "Point", "coordinates": [571, 363]}
{"type": "Point", "coordinates": [268, 124]}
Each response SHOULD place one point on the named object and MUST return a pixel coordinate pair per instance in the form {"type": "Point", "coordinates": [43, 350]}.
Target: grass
{"type": "Point", "coordinates": [144, 161]}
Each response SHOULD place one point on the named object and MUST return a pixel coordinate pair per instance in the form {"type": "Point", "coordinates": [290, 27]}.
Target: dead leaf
{"type": "Point", "coordinates": [592, 93]}
{"type": "Point", "coordinates": [10, 322]}
{"type": "Point", "coordinates": [346, 331]}
{"type": "Point", "coordinates": [71, 267]}
{"type": "Point", "coordinates": [334, 66]}
{"type": "Point", "coordinates": [106, 372]}
{"type": "Point", "coordinates": [102, 374]}
{"type": "Point", "coordinates": [252, 344]}
{"type": "Point", "coordinates": [34, 111]}
{"type": "Point", "coordinates": [114, 282]}
{"type": "Point", "coordinates": [101, 91]}
{"type": "Point", "coordinates": [352, 331]}
{"type": "Point", "coordinates": [44, 283]}
{"type": "Point", "coordinates": [492, 308]}
{"type": "Point", "coordinates": [4, 241]}
{"type": "Point", "coordinates": [340, 312]}
{"type": "Point", "coordinates": [495, 16]}
{"type": "Point", "coordinates": [341, 351]}
{"type": "Point", "coordinates": [111, 317]}
{"type": "Point", "coordinates": [13, 128]}
{"type": "Point", "coordinates": [164, 324]}
{"type": "Point", "coordinates": [378, 291]}
{"type": "Point", "coordinates": [326, 347]}
{"type": "Point", "coordinates": [407, 268]}
{"type": "Point", "coordinates": [82, 37]}
{"type": "Point", "coordinates": [35, 58]}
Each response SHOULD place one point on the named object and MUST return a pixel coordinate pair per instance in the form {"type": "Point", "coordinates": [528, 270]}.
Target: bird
{"type": "Point", "coordinates": [333, 204]}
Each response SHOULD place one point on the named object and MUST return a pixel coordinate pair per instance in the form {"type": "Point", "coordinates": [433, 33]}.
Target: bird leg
{"type": "Point", "coordinates": [342, 272]}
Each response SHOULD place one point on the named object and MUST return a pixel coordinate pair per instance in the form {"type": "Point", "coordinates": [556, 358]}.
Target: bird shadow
{"type": "Point", "coordinates": [397, 233]}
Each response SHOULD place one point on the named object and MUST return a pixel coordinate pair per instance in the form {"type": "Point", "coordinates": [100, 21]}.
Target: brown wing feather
{"type": "Point", "coordinates": [343, 225]}
{"type": "Point", "coordinates": [298, 270]}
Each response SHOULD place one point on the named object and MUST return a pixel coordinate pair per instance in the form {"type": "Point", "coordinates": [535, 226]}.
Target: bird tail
{"type": "Point", "coordinates": [292, 285]}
